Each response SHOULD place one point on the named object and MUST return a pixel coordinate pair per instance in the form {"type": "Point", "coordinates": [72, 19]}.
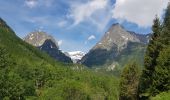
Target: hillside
{"type": "Point", "coordinates": [116, 48]}
{"type": "Point", "coordinates": [27, 73]}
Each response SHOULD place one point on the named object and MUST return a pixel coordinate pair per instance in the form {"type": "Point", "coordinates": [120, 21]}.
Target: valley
{"type": "Point", "coordinates": [83, 55]}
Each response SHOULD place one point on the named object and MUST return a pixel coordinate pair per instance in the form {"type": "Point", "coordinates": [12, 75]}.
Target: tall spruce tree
{"type": "Point", "coordinates": [166, 22]}
{"type": "Point", "coordinates": [129, 82]}
{"type": "Point", "coordinates": [161, 74]}
{"type": "Point", "coordinates": [151, 55]}
{"type": "Point", "coordinates": [166, 28]}
{"type": "Point", "coordinates": [155, 77]}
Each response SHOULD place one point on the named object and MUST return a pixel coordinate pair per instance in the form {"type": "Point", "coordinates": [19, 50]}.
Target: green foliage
{"type": "Point", "coordinates": [167, 18]}
{"type": "Point", "coordinates": [156, 74]}
{"type": "Point", "coordinates": [129, 82]}
{"type": "Point", "coordinates": [162, 96]}
{"type": "Point", "coordinates": [12, 86]}
{"type": "Point", "coordinates": [29, 74]}
{"type": "Point", "coordinates": [151, 55]}
{"type": "Point", "coordinates": [133, 51]}
{"type": "Point", "coordinates": [161, 75]}
{"type": "Point", "coordinates": [4, 57]}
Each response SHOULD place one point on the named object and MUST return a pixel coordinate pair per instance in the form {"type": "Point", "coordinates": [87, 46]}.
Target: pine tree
{"type": "Point", "coordinates": [155, 75]}
{"type": "Point", "coordinates": [166, 28]}
{"type": "Point", "coordinates": [166, 22]}
{"type": "Point", "coordinates": [129, 82]}
{"type": "Point", "coordinates": [151, 55]}
{"type": "Point", "coordinates": [161, 74]}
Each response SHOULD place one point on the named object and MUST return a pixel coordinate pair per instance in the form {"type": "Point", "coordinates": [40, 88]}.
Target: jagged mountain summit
{"type": "Point", "coordinates": [115, 43]}
{"type": "Point", "coordinates": [76, 55]}
{"type": "Point", "coordinates": [37, 38]}
{"type": "Point", "coordinates": [116, 36]}
{"type": "Point", "coordinates": [47, 43]}
{"type": "Point", "coordinates": [144, 38]}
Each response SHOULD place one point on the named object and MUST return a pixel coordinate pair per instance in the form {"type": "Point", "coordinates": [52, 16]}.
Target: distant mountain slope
{"type": "Point", "coordinates": [26, 73]}
{"type": "Point", "coordinates": [116, 45]}
{"type": "Point", "coordinates": [144, 38]}
{"type": "Point", "coordinates": [18, 48]}
{"type": "Point", "coordinates": [50, 48]}
{"type": "Point", "coordinates": [47, 43]}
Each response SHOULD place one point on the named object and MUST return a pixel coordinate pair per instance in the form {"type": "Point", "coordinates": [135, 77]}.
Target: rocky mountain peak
{"type": "Point", "coordinates": [117, 25]}
{"type": "Point", "coordinates": [116, 45]}
{"type": "Point", "coordinates": [117, 36]}
{"type": "Point", "coordinates": [37, 38]}
{"type": "Point", "coordinates": [47, 43]}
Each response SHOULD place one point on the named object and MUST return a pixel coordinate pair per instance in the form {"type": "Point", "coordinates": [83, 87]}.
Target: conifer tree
{"type": "Point", "coordinates": [156, 63]}
{"type": "Point", "coordinates": [166, 28]}
{"type": "Point", "coordinates": [166, 22]}
{"type": "Point", "coordinates": [161, 74]}
{"type": "Point", "coordinates": [151, 55]}
{"type": "Point", "coordinates": [129, 82]}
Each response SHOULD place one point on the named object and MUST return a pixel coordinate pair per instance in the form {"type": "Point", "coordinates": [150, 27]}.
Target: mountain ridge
{"type": "Point", "coordinates": [26, 73]}
{"type": "Point", "coordinates": [48, 44]}
{"type": "Point", "coordinates": [115, 41]}
{"type": "Point", "coordinates": [37, 38]}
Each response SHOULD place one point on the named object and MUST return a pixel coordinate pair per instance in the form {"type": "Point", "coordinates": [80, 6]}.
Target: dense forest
{"type": "Point", "coordinates": [29, 74]}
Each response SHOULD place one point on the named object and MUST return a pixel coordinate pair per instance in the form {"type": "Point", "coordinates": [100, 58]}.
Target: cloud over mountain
{"type": "Point", "coordinates": [97, 12]}
{"type": "Point", "coordinates": [140, 12]}
{"type": "Point", "coordinates": [31, 3]}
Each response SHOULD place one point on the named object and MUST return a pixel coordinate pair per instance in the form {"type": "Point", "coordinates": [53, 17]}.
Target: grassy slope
{"type": "Point", "coordinates": [58, 82]}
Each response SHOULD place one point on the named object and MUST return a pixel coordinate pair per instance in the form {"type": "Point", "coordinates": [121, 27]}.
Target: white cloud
{"type": "Point", "coordinates": [60, 42]}
{"type": "Point", "coordinates": [141, 12]}
{"type": "Point", "coordinates": [92, 37]}
{"type": "Point", "coordinates": [31, 3]}
{"type": "Point", "coordinates": [97, 12]}
{"type": "Point", "coordinates": [42, 20]}
{"type": "Point", "coordinates": [62, 23]}
{"type": "Point", "coordinates": [45, 21]}
{"type": "Point", "coordinates": [42, 3]}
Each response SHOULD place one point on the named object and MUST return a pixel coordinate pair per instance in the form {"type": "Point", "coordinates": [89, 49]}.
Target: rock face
{"type": "Point", "coordinates": [47, 43]}
{"type": "Point", "coordinates": [117, 36]}
{"type": "Point", "coordinates": [144, 38]}
{"type": "Point", "coordinates": [50, 48]}
{"type": "Point", "coordinates": [114, 43]}
{"type": "Point", "coordinates": [76, 55]}
{"type": "Point", "coordinates": [37, 38]}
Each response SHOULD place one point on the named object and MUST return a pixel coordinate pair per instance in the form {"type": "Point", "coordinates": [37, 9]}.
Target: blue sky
{"type": "Point", "coordinates": [79, 24]}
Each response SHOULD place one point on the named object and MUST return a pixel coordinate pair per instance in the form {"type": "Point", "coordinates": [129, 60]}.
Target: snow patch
{"type": "Point", "coordinates": [76, 55]}
{"type": "Point", "coordinates": [124, 37]}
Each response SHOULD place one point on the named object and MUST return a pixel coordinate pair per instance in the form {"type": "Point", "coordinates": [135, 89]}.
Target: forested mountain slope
{"type": "Point", "coordinates": [27, 73]}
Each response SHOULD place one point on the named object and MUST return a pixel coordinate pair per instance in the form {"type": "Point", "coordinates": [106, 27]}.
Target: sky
{"type": "Point", "coordinates": [78, 25]}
